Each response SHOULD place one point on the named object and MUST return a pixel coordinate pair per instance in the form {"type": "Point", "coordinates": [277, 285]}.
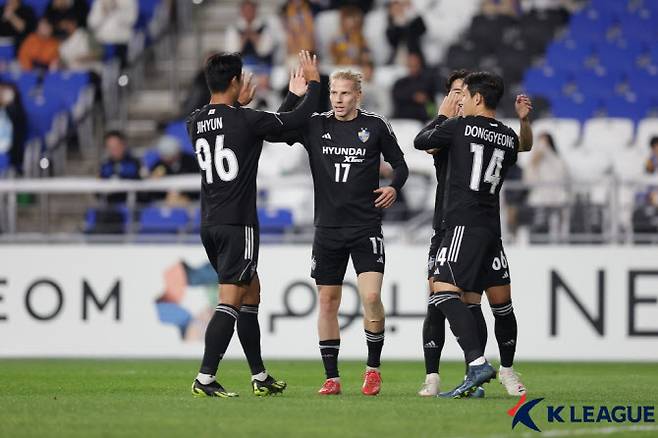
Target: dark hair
{"type": "Point", "coordinates": [114, 133]}
{"type": "Point", "coordinates": [653, 142]}
{"type": "Point", "coordinates": [489, 85]}
{"type": "Point", "coordinates": [456, 74]}
{"type": "Point", "coordinates": [550, 141]}
{"type": "Point", "coordinates": [220, 69]}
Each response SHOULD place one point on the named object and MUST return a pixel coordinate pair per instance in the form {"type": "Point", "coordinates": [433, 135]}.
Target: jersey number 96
{"type": "Point", "coordinates": [226, 163]}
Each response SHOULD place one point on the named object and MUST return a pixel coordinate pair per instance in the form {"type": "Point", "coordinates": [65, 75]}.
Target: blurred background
{"type": "Point", "coordinates": [93, 148]}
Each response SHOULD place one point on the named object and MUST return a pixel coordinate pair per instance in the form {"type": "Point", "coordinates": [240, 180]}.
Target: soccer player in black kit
{"type": "Point", "coordinates": [228, 140]}
{"type": "Point", "coordinates": [434, 323]}
{"type": "Point", "coordinates": [344, 147]}
{"type": "Point", "coordinates": [470, 257]}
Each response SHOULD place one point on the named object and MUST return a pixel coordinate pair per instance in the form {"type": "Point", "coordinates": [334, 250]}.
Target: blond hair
{"type": "Point", "coordinates": [349, 75]}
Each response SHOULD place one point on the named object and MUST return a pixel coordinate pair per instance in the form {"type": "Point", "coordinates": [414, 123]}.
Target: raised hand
{"type": "Point", "coordinates": [297, 84]}
{"type": "Point", "coordinates": [523, 106]}
{"type": "Point", "coordinates": [309, 66]}
{"type": "Point", "coordinates": [247, 90]}
{"type": "Point", "coordinates": [450, 105]}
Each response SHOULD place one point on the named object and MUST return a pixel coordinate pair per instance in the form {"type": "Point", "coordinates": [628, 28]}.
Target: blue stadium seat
{"type": "Point", "coordinates": [150, 157]}
{"type": "Point", "coordinates": [25, 81]}
{"type": "Point", "coordinates": [39, 6]}
{"type": "Point", "coordinates": [163, 220]}
{"type": "Point", "coordinates": [568, 54]}
{"type": "Point", "coordinates": [4, 163]}
{"type": "Point", "coordinates": [146, 11]}
{"type": "Point", "coordinates": [7, 52]}
{"type": "Point", "coordinates": [68, 85]}
{"type": "Point", "coordinates": [91, 217]}
{"type": "Point", "coordinates": [545, 81]}
{"type": "Point", "coordinates": [41, 110]}
{"type": "Point", "coordinates": [629, 107]}
{"type": "Point", "coordinates": [196, 221]}
{"type": "Point", "coordinates": [644, 82]}
{"type": "Point", "coordinates": [642, 27]}
{"type": "Point", "coordinates": [618, 57]}
{"type": "Point", "coordinates": [275, 221]}
{"type": "Point", "coordinates": [178, 130]}
{"type": "Point", "coordinates": [591, 83]}
{"type": "Point", "coordinates": [571, 108]}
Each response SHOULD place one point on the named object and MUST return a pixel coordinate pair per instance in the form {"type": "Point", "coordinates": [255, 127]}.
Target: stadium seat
{"type": "Point", "coordinates": [646, 130]}
{"type": "Point", "coordinates": [41, 111]}
{"type": "Point", "coordinates": [644, 82]}
{"type": "Point", "coordinates": [108, 220]}
{"type": "Point", "coordinates": [568, 54]}
{"type": "Point", "coordinates": [628, 106]}
{"type": "Point", "coordinates": [178, 130]}
{"type": "Point", "coordinates": [150, 157]}
{"type": "Point", "coordinates": [274, 221]}
{"type": "Point", "coordinates": [7, 52]}
{"type": "Point", "coordinates": [39, 6]}
{"type": "Point", "coordinates": [4, 163]}
{"type": "Point", "coordinates": [609, 135]}
{"type": "Point", "coordinates": [163, 220]}
{"type": "Point", "coordinates": [278, 159]}
{"type": "Point", "coordinates": [574, 107]}
{"type": "Point", "coordinates": [374, 30]}
{"type": "Point", "coordinates": [545, 81]}
{"type": "Point", "coordinates": [619, 57]}
{"type": "Point", "coordinates": [67, 85]}
{"type": "Point", "coordinates": [596, 84]}
{"type": "Point", "coordinates": [565, 132]}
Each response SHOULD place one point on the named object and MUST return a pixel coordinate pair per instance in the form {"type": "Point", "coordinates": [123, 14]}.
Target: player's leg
{"type": "Point", "coordinates": [434, 329]}
{"type": "Point", "coordinates": [369, 259]}
{"type": "Point", "coordinates": [457, 267]}
{"type": "Point", "coordinates": [218, 245]}
{"type": "Point", "coordinates": [499, 294]}
{"type": "Point", "coordinates": [262, 383]}
{"type": "Point", "coordinates": [328, 267]}
{"type": "Point", "coordinates": [472, 301]}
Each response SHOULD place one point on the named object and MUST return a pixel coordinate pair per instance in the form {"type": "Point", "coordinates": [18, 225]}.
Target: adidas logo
{"type": "Point", "coordinates": [380, 259]}
{"type": "Point", "coordinates": [430, 344]}
{"type": "Point", "coordinates": [327, 136]}
{"type": "Point", "coordinates": [506, 274]}
{"type": "Point", "coordinates": [436, 271]}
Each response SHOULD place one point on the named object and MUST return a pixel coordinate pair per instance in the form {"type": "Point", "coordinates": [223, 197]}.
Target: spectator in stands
{"type": "Point", "coordinates": [404, 30]}
{"type": "Point", "coordinates": [413, 95]}
{"type": "Point", "coordinates": [546, 167]}
{"type": "Point", "coordinates": [13, 125]}
{"type": "Point", "coordinates": [59, 10]}
{"type": "Point", "coordinates": [651, 167]}
{"type": "Point", "coordinates": [111, 22]}
{"type": "Point", "coordinates": [374, 97]}
{"type": "Point", "coordinates": [298, 24]}
{"type": "Point", "coordinates": [251, 35]}
{"type": "Point", "coordinates": [349, 47]}
{"type": "Point", "coordinates": [119, 164]}
{"type": "Point", "coordinates": [78, 50]}
{"type": "Point", "coordinates": [18, 21]}
{"type": "Point", "coordinates": [173, 162]}
{"type": "Point", "coordinates": [40, 49]}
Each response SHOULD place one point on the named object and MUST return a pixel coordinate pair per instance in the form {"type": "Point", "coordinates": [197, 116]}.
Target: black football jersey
{"type": "Point", "coordinates": [345, 157]}
{"type": "Point", "coordinates": [480, 151]}
{"type": "Point", "coordinates": [441, 170]}
{"type": "Point", "coordinates": [228, 141]}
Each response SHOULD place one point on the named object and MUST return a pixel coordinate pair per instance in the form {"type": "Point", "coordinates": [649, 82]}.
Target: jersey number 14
{"type": "Point", "coordinates": [492, 174]}
{"type": "Point", "coordinates": [225, 161]}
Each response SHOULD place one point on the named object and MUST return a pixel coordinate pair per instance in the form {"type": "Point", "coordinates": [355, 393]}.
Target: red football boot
{"type": "Point", "coordinates": [372, 383]}
{"type": "Point", "coordinates": [330, 387]}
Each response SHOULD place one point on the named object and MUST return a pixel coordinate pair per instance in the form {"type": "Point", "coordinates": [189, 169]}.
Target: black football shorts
{"type": "Point", "coordinates": [435, 242]}
{"type": "Point", "coordinates": [332, 248]}
{"type": "Point", "coordinates": [471, 258]}
{"type": "Point", "coordinates": [232, 251]}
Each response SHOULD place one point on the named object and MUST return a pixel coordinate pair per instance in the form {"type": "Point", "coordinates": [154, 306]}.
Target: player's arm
{"type": "Point", "coordinates": [394, 156]}
{"type": "Point", "coordinates": [297, 88]}
{"type": "Point", "coordinates": [273, 123]}
{"type": "Point", "coordinates": [438, 120]}
{"type": "Point", "coordinates": [440, 136]}
{"type": "Point", "coordinates": [523, 106]}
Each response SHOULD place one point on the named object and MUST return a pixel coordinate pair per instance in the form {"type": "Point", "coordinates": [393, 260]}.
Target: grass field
{"type": "Point", "coordinates": [143, 398]}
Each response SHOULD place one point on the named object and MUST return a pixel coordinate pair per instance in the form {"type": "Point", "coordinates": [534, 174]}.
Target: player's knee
{"type": "Point", "coordinates": [329, 304]}
{"type": "Point", "coordinates": [371, 299]}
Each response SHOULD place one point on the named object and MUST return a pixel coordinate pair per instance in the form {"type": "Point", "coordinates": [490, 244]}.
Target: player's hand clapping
{"type": "Point", "coordinates": [309, 65]}
{"type": "Point", "coordinates": [386, 198]}
{"type": "Point", "coordinates": [450, 105]}
{"type": "Point", "coordinates": [247, 90]}
{"type": "Point", "coordinates": [297, 84]}
{"type": "Point", "coordinates": [523, 106]}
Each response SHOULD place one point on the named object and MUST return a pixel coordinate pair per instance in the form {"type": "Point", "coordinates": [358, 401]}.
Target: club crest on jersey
{"type": "Point", "coordinates": [364, 134]}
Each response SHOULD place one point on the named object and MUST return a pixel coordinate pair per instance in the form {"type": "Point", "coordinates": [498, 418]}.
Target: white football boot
{"type": "Point", "coordinates": [431, 386]}
{"type": "Point", "coordinates": [511, 381]}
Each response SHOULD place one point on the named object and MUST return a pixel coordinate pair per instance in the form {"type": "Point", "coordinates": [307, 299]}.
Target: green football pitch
{"type": "Point", "coordinates": [144, 398]}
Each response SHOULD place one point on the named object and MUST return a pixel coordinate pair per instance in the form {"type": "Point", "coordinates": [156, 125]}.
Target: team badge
{"type": "Point", "coordinates": [364, 134]}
